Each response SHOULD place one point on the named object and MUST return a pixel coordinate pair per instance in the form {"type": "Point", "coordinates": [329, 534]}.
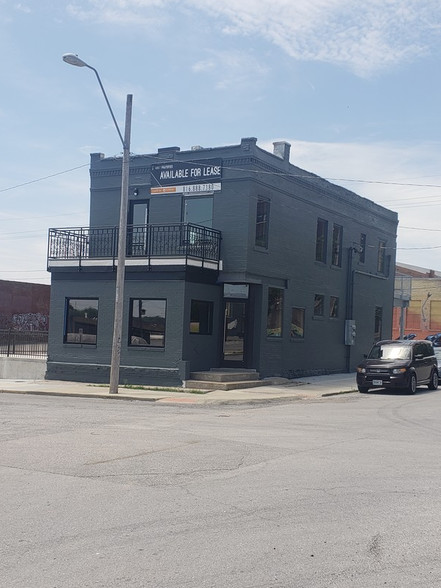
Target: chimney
{"type": "Point", "coordinates": [281, 149]}
{"type": "Point", "coordinates": [168, 152]}
{"type": "Point", "coordinates": [248, 143]}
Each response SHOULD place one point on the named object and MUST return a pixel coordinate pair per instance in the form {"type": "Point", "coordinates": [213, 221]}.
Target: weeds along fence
{"type": "Point", "coordinates": [23, 343]}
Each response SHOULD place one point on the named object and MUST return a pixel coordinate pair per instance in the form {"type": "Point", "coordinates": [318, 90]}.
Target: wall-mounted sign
{"type": "Point", "coordinates": [185, 177]}
{"type": "Point", "coordinates": [236, 290]}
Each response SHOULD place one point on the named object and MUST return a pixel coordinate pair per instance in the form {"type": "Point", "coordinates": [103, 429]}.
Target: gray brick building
{"type": "Point", "coordinates": [235, 258]}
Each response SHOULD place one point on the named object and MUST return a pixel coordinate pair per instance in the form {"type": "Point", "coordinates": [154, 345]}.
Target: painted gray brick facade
{"type": "Point", "coordinates": [296, 200]}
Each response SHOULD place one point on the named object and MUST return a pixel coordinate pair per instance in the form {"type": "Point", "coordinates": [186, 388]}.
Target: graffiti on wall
{"type": "Point", "coordinates": [29, 321]}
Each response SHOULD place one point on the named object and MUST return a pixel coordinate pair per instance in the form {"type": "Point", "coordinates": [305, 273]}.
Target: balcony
{"type": "Point", "coordinates": [147, 246]}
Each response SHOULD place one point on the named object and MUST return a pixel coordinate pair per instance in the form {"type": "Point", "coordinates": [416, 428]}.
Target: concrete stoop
{"type": "Point", "coordinates": [224, 379]}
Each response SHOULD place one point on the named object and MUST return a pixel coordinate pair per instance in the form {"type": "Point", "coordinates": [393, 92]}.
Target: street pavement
{"type": "Point", "coordinates": [276, 390]}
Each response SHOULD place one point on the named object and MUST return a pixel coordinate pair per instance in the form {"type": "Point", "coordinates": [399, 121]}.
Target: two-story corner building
{"type": "Point", "coordinates": [235, 258]}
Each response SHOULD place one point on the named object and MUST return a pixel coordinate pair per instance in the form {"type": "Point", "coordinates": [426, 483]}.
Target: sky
{"type": "Point", "coordinates": [353, 85]}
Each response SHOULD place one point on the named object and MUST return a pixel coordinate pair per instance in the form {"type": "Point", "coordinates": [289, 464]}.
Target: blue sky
{"type": "Point", "coordinates": [353, 85]}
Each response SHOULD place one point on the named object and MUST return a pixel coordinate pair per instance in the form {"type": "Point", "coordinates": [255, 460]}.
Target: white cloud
{"type": "Point", "coordinates": [402, 177]}
{"type": "Point", "coordinates": [204, 65]}
{"type": "Point", "coordinates": [120, 12]}
{"type": "Point", "coordinates": [22, 8]}
{"type": "Point", "coordinates": [364, 37]}
{"type": "Point", "coordinates": [232, 68]}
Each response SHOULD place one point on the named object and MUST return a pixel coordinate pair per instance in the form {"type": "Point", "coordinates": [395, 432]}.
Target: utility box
{"type": "Point", "coordinates": [350, 332]}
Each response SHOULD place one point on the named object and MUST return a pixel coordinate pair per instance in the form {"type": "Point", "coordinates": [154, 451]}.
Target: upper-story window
{"type": "Point", "coordinates": [333, 306]}
{"type": "Point", "coordinates": [337, 240]}
{"type": "Point", "coordinates": [321, 241]}
{"type": "Point", "coordinates": [319, 304]}
{"type": "Point", "coordinates": [262, 223]}
{"type": "Point", "coordinates": [381, 259]}
{"type": "Point", "coordinates": [362, 248]}
{"type": "Point", "coordinates": [198, 211]}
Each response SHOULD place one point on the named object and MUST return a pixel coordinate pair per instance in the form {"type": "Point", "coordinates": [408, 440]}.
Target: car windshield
{"type": "Point", "coordinates": [390, 352]}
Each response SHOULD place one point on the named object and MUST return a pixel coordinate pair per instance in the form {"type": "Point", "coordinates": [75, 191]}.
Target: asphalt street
{"type": "Point", "coordinates": [322, 492]}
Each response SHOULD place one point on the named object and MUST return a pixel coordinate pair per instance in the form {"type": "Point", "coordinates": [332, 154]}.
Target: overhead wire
{"type": "Point", "coordinates": [306, 175]}
{"type": "Point", "coordinates": [43, 178]}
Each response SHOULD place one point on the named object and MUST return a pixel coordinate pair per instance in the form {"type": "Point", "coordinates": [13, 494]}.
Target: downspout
{"type": "Point", "coordinates": [349, 301]}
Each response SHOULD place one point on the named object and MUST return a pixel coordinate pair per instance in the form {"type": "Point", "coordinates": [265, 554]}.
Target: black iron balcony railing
{"type": "Point", "coordinates": [150, 244]}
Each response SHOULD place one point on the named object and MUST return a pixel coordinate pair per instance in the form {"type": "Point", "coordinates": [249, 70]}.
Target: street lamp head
{"type": "Point", "coordinates": [73, 59]}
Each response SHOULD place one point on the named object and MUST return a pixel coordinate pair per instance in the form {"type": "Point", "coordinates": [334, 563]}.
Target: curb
{"type": "Point", "coordinates": [190, 399]}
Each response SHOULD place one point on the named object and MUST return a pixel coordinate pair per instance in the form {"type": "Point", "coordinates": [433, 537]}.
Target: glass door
{"type": "Point", "coordinates": [137, 229]}
{"type": "Point", "coordinates": [234, 333]}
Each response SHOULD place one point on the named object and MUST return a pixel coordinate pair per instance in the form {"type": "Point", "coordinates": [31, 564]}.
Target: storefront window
{"type": "Point", "coordinates": [81, 321]}
{"type": "Point", "coordinates": [201, 317]}
{"type": "Point", "coordinates": [147, 323]}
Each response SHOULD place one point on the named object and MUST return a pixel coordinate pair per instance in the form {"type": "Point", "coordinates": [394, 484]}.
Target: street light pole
{"type": "Point", "coordinates": [73, 59]}
{"type": "Point", "coordinates": [121, 264]}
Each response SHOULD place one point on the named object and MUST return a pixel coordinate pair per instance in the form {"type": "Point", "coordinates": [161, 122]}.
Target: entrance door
{"type": "Point", "coordinates": [234, 333]}
{"type": "Point", "coordinates": [137, 229]}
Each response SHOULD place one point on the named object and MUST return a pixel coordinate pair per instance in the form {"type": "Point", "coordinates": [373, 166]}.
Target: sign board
{"type": "Point", "coordinates": [236, 291]}
{"type": "Point", "coordinates": [186, 177]}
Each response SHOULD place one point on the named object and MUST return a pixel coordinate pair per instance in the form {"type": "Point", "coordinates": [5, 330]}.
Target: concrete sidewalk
{"type": "Point", "coordinates": [304, 388]}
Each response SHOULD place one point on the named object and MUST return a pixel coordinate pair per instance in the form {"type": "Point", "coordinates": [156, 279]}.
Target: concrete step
{"type": "Point", "coordinates": [225, 375]}
{"type": "Point", "coordinates": [213, 385]}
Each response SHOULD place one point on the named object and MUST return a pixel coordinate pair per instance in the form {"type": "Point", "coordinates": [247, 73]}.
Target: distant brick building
{"type": "Point", "coordinates": [24, 306]}
{"type": "Point", "coordinates": [422, 313]}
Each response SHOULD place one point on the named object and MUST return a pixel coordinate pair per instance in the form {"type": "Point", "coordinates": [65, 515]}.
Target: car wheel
{"type": "Point", "coordinates": [433, 384]}
{"type": "Point", "coordinates": [363, 389]}
{"type": "Point", "coordinates": [412, 385]}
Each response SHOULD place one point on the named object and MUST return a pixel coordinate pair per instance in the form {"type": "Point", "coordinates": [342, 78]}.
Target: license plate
{"type": "Point", "coordinates": [377, 382]}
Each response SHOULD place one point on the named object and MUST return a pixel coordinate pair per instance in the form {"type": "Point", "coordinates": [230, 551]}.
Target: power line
{"type": "Point", "coordinates": [306, 175]}
{"type": "Point", "coordinates": [420, 229]}
{"type": "Point", "coordinates": [44, 178]}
